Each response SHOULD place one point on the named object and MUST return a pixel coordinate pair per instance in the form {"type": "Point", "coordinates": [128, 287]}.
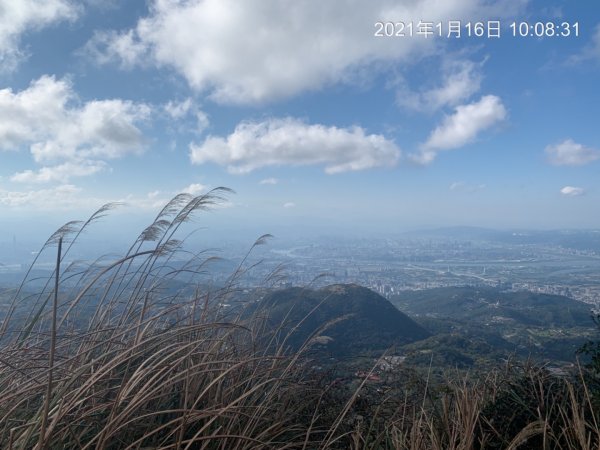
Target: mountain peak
{"type": "Point", "coordinates": [354, 319]}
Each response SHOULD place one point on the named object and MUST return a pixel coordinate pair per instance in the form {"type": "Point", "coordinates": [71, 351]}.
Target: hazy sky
{"type": "Point", "coordinates": [295, 104]}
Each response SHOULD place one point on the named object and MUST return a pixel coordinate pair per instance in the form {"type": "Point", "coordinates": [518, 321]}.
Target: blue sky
{"type": "Point", "coordinates": [314, 121]}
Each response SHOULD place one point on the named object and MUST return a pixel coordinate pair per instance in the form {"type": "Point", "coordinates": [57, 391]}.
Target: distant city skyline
{"type": "Point", "coordinates": [347, 116]}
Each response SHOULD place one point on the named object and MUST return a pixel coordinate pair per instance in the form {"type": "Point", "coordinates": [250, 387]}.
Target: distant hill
{"type": "Point", "coordinates": [369, 323]}
{"type": "Point", "coordinates": [493, 305]}
{"type": "Point", "coordinates": [462, 233]}
{"type": "Point", "coordinates": [588, 240]}
{"type": "Point", "coordinates": [545, 327]}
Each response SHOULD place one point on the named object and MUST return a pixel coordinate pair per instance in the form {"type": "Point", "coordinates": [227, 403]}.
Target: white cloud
{"type": "Point", "coordinates": [289, 141]}
{"type": "Point", "coordinates": [570, 153]}
{"type": "Point", "coordinates": [60, 173]}
{"type": "Point", "coordinates": [462, 127]}
{"type": "Point", "coordinates": [180, 110]}
{"type": "Point", "coordinates": [19, 16]}
{"type": "Point", "coordinates": [156, 200]}
{"type": "Point", "coordinates": [60, 197]}
{"type": "Point", "coordinates": [153, 194]}
{"type": "Point", "coordinates": [461, 79]}
{"type": "Point", "coordinates": [257, 50]}
{"type": "Point", "coordinates": [194, 189]}
{"type": "Point", "coordinates": [269, 181]}
{"type": "Point", "coordinates": [591, 51]}
{"type": "Point", "coordinates": [44, 117]}
{"type": "Point", "coordinates": [67, 197]}
{"type": "Point", "coordinates": [105, 45]}
{"type": "Point", "coordinates": [48, 118]}
{"type": "Point", "coordinates": [289, 205]}
{"type": "Point", "coordinates": [151, 201]}
{"type": "Point", "coordinates": [572, 191]}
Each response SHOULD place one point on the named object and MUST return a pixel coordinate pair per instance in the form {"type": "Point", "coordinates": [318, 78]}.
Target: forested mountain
{"type": "Point", "coordinates": [346, 318]}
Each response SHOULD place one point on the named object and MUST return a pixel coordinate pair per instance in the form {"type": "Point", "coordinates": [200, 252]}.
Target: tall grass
{"type": "Point", "coordinates": [116, 355]}
{"type": "Point", "coordinates": [136, 352]}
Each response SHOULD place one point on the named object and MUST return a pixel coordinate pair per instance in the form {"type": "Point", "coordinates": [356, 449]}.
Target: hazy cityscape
{"type": "Point", "coordinates": [562, 263]}
{"type": "Point", "coordinates": [392, 265]}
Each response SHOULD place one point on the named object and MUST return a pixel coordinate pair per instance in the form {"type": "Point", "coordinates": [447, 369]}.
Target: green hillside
{"type": "Point", "coordinates": [549, 328]}
{"type": "Point", "coordinates": [493, 305]}
{"type": "Point", "coordinates": [352, 319]}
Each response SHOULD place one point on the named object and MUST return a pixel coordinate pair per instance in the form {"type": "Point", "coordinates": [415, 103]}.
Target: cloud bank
{"type": "Point", "coordinates": [76, 137]}
{"type": "Point", "coordinates": [572, 191]}
{"type": "Point", "coordinates": [261, 50]}
{"type": "Point", "coordinates": [19, 16]}
{"type": "Point", "coordinates": [462, 127]}
{"type": "Point", "coordinates": [570, 153]}
{"type": "Point", "coordinates": [279, 142]}
{"type": "Point", "coordinates": [461, 79]}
